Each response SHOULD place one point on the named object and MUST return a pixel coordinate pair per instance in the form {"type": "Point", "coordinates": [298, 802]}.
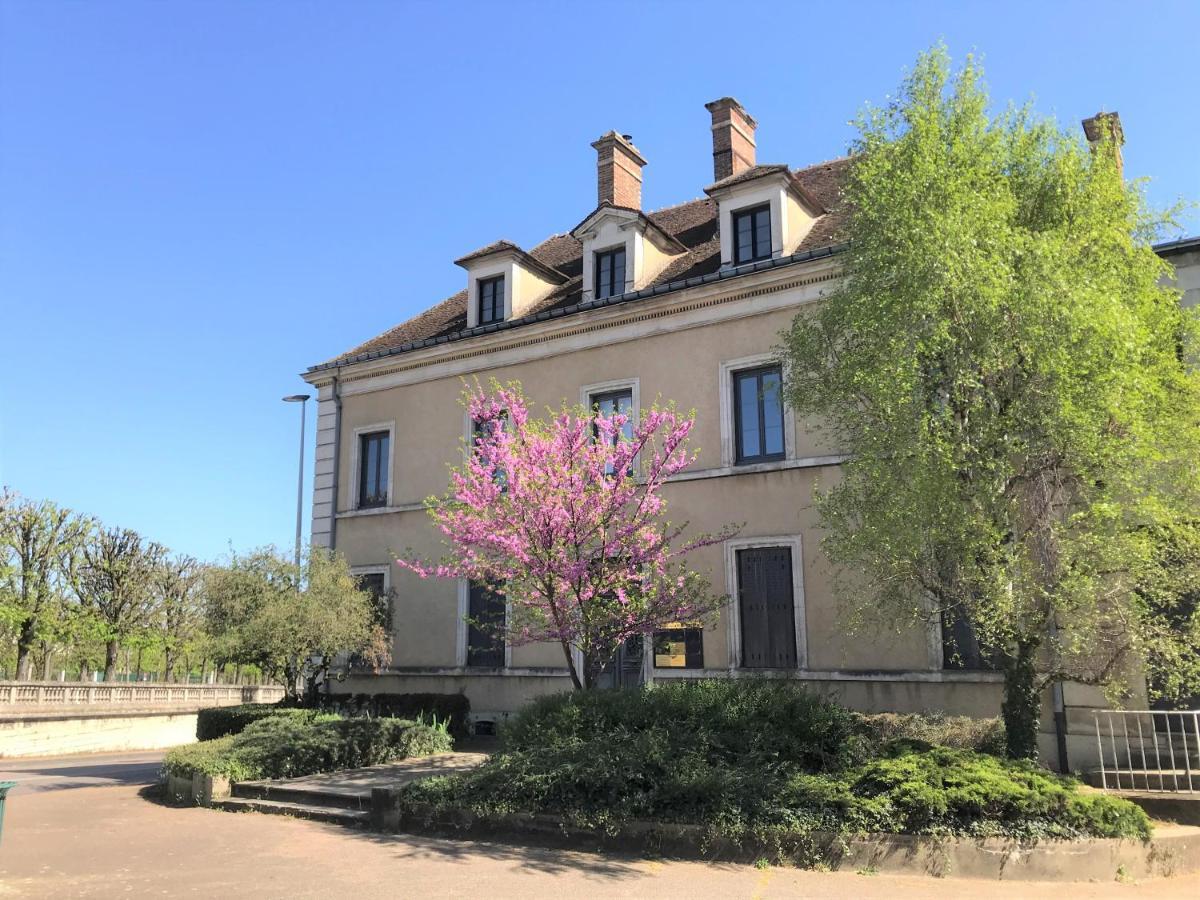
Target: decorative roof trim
{"type": "Point", "coordinates": [559, 312]}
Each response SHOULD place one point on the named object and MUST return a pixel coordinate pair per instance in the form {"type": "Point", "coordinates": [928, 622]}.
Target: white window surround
{"type": "Point", "coordinates": [791, 217]}
{"type": "Point", "coordinates": [634, 385]}
{"type": "Point", "coordinates": [464, 610]}
{"type": "Point", "coordinates": [483, 270]}
{"type": "Point", "coordinates": [385, 570]}
{"type": "Point", "coordinates": [355, 469]}
{"type": "Point", "coordinates": [734, 614]}
{"type": "Point", "coordinates": [727, 369]}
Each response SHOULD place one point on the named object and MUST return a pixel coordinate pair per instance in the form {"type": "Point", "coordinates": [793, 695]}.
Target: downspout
{"type": "Point", "coordinates": [337, 459]}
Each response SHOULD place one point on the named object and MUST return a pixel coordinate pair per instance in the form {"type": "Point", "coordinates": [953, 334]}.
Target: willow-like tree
{"type": "Point", "coordinates": [1015, 389]}
{"type": "Point", "coordinates": [565, 515]}
{"type": "Point", "coordinates": [39, 549]}
{"type": "Point", "coordinates": [291, 621]}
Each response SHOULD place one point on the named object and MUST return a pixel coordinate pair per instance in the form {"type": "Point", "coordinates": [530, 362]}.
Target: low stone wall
{"type": "Point", "coordinates": [1174, 850]}
{"type": "Point", "coordinates": [57, 718]}
{"type": "Point", "coordinates": [199, 790]}
{"type": "Point", "coordinates": [97, 733]}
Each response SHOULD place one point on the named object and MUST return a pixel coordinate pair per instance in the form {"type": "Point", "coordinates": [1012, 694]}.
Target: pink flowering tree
{"type": "Point", "coordinates": [566, 517]}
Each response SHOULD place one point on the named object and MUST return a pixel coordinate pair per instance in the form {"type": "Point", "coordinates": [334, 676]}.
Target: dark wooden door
{"type": "Point", "coordinates": [768, 616]}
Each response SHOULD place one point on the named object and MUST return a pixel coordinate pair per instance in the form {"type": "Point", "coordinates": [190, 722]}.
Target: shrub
{"type": "Point", "coordinates": [959, 732]}
{"type": "Point", "coordinates": [219, 721]}
{"type": "Point", "coordinates": [451, 708]}
{"type": "Point", "coordinates": [754, 721]}
{"type": "Point", "coordinates": [763, 759]}
{"type": "Point", "coordinates": [284, 746]}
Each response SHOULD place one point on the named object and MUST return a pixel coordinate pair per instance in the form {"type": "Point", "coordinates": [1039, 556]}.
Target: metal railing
{"type": "Point", "coordinates": [17, 695]}
{"type": "Point", "coordinates": [1149, 749]}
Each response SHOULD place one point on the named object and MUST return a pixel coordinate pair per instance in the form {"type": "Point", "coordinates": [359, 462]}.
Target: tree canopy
{"type": "Point", "coordinates": [566, 516]}
{"type": "Point", "coordinates": [1015, 388]}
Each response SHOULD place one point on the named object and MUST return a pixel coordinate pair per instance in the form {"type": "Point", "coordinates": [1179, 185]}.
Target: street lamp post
{"type": "Point", "coordinates": [299, 398]}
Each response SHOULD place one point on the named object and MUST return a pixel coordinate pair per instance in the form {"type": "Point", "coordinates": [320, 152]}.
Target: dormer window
{"type": "Point", "coordinates": [610, 273]}
{"type": "Point", "coordinates": [752, 234]}
{"type": "Point", "coordinates": [491, 300]}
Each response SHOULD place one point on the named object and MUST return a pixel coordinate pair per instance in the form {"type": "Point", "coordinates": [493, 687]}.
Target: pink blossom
{"type": "Point", "coordinates": [566, 514]}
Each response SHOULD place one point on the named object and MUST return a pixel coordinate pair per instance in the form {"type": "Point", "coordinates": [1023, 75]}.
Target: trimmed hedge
{"type": "Point", "coordinates": [219, 721]}
{"type": "Point", "coordinates": [283, 746]}
{"type": "Point", "coordinates": [452, 708]}
{"type": "Point", "coordinates": [765, 761]}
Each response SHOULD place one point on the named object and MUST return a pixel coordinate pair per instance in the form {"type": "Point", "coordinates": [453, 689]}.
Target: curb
{"type": "Point", "coordinates": [1174, 850]}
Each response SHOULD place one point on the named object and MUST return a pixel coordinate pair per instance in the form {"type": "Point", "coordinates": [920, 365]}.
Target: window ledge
{"type": "Point", "coordinates": [380, 510]}
{"type": "Point", "coordinates": [807, 462]}
{"type": "Point", "coordinates": [912, 676]}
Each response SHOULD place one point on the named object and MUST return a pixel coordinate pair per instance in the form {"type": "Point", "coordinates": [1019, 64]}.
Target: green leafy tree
{"type": "Point", "coordinates": [1015, 390]}
{"type": "Point", "coordinates": [290, 622]}
{"type": "Point", "coordinates": [114, 581]}
{"type": "Point", "coordinates": [39, 546]}
{"type": "Point", "coordinates": [178, 616]}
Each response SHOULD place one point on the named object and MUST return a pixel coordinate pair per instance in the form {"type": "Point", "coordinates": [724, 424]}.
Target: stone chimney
{"type": "Point", "coordinates": [733, 137]}
{"type": "Point", "coordinates": [619, 170]}
{"type": "Point", "coordinates": [1106, 126]}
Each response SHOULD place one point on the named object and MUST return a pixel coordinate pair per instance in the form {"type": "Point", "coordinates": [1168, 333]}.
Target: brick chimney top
{"type": "Point", "coordinates": [733, 137]}
{"type": "Point", "coordinates": [618, 170]}
{"type": "Point", "coordinates": [1105, 126]}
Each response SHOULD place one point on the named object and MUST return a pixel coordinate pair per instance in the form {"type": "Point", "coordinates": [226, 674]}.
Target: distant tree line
{"type": "Point", "coordinates": [80, 597]}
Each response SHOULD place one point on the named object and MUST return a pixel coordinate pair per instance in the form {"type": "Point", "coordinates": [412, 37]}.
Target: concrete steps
{"type": "Point", "coordinates": [338, 807]}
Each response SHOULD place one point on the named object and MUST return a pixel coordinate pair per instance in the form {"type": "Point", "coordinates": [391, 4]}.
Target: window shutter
{"type": "Point", "coordinates": [767, 608]}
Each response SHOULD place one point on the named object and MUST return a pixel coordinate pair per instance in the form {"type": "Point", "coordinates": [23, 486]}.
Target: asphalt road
{"type": "Point", "coordinates": [60, 773]}
{"type": "Point", "coordinates": [85, 827]}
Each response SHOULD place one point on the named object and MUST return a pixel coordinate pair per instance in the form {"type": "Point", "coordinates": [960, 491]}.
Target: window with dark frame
{"type": "Point", "coordinates": [960, 644]}
{"type": "Point", "coordinates": [758, 414]}
{"type": "Point", "coordinates": [610, 273]}
{"type": "Point", "coordinates": [491, 300]}
{"type": "Point", "coordinates": [478, 433]}
{"type": "Point", "coordinates": [375, 584]}
{"type": "Point", "coordinates": [373, 469]}
{"type": "Point", "coordinates": [611, 403]}
{"type": "Point", "coordinates": [679, 647]}
{"type": "Point", "coordinates": [752, 234]}
{"type": "Point", "coordinates": [486, 617]}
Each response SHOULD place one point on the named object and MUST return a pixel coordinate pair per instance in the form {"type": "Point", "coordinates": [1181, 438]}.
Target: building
{"type": "Point", "coordinates": [683, 303]}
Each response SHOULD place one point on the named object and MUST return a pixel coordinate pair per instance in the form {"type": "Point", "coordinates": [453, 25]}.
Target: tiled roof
{"type": "Point", "coordinates": [693, 224]}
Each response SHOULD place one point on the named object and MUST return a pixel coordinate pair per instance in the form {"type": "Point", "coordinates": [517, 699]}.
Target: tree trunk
{"type": "Point", "coordinates": [138, 670]}
{"type": "Point", "coordinates": [47, 660]}
{"type": "Point", "coordinates": [168, 665]}
{"type": "Point", "coordinates": [25, 649]}
{"type": "Point", "coordinates": [571, 665]}
{"type": "Point", "coordinates": [1022, 706]}
{"type": "Point", "coordinates": [111, 649]}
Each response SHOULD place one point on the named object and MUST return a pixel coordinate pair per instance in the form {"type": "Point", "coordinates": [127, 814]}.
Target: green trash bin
{"type": "Point", "coordinates": [5, 787]}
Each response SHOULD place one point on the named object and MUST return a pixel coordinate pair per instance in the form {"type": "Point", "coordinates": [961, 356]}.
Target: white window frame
{"type": "Point", "coordinates": [728, 368]}
{"type": "Point", "coordinates": [795, 543]}
{"type": "Point", "coordinates": [356, 472]}
{"type": "Point", "coordinates": [464, 610]}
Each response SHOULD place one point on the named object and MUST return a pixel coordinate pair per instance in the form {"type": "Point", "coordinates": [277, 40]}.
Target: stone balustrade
{"type": "Point", "coordinates": [17, 697]}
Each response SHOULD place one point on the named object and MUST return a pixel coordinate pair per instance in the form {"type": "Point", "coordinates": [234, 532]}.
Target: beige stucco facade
{"type": "Point", "coordinates": [680, 342]}
{"type": "Point", "coordinates": [681, 348]}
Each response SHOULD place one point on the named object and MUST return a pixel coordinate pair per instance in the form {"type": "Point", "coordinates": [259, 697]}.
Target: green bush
{"type": "Point", "coordinates": [747, 721]}
{"type": "Point", "coordinates": [959, 732]}
{"type": "Point", "coordinates": [219, 721]}
{"type": "Point", "coordinates": [757, 758]}
{"type": "Point", "coordinates": [452, 708]}
{"type": "Point", "coordinates": [917, 789]}
{"type": "Point", "coordinates": [286, 746]}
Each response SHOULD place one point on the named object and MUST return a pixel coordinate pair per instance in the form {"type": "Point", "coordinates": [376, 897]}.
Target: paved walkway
{"type": "Point", "coordinates": [110, 841]}
{"type": "Point", "coordinates": [358, 782]}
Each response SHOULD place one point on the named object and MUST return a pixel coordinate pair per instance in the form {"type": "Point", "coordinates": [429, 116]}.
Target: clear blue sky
{"type": "Point", "coordinates": [200, 199]}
